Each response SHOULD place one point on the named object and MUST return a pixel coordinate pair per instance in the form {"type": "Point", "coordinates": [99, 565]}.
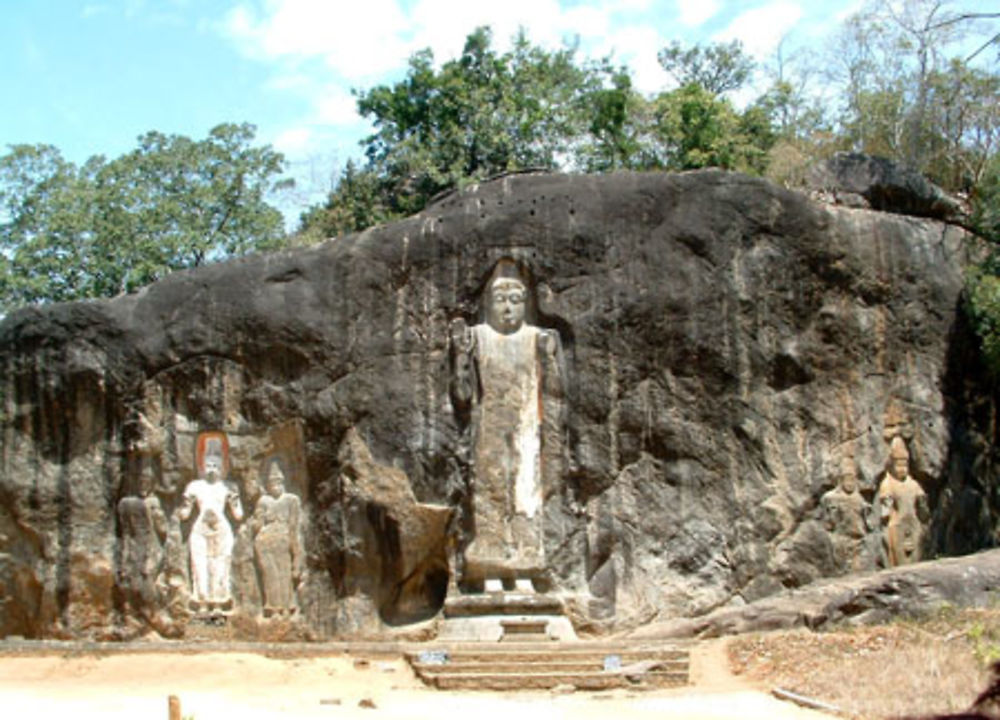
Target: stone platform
{"type": "Point", "coordinates": [505, 617]}
{"type": "Point", "coordinates": [537, 666]}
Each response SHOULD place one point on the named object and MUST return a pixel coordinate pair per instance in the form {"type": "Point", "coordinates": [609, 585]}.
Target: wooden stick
{"type": "Point", "coordinates": [174, 708]}
{"type": "Point", "coordinates": [804, 701]}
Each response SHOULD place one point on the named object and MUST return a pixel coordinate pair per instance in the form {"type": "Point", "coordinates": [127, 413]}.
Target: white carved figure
{"type": "Point", "coordinates": [277, 544]}
{"type": "Point", "coordinates": [904, 509]}
{"type": "Point", "coordinates": [502, 367]}
{"type": "Point", "coordinates": [210, 542]}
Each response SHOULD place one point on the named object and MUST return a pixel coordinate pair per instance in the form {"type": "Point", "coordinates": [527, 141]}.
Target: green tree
{"type": "Point", "coordinates": [355, 204]}
{"type": "Point", "coordinates": [695, 128]}
{"type": "Point", "coordinates": [479, 115]}
{"type": "Point", "coordinates": [963, 125]}
{"type": "Point", "coordinates": [718, 68]}
{"type": "Point", "coordinates": [619, 124]}
{"type": "Point", "coordinates": [108, 227]}
{"type": "Point", "coordinates": [905, 89]}
{"type": "Point", "coordinates": [45, 209]}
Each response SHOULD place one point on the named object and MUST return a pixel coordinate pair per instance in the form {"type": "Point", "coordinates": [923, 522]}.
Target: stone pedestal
{"type": "Point", "coordinates": [505, 616]}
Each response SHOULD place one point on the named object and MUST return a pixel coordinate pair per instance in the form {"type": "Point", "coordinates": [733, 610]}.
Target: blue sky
{"type": "Point", "coordinates": [89, 76]}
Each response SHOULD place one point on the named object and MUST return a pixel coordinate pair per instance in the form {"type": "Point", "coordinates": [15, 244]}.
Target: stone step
{"type": "Point", "coordinates": [539, 653]}
{"type": "Point", "coordinates": [554, 666]}
{"type": "Point", "coordinates": [524, 630]}
{"type": "Point", "coordinates": [542, 681]}
{"type": "Point", "coordinates": [524, 636]}
{"type": "Point", "coordinates": [540, 666]}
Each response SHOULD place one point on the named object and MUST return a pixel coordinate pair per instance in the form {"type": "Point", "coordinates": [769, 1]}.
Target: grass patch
{"type": "Point", "coordinates": [937, 664]}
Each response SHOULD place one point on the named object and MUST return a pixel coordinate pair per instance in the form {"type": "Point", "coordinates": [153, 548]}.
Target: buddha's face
{"type": "Point", "coordinates": [213, 468]}
{"type": "Point", "coordinates": [275, 482]}
{"type": "Point", "coordinates": [145, 483]}
{"type": "Point", "coordinates": [900, 467]}
{"type": "Point", "coordinates": [848, 482]}
{"type": "Point", "coordinates": [506, 305]}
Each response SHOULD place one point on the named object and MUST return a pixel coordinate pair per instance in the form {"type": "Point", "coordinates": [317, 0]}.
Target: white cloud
{"type": "Point", "coordinates": [587, 21]}
{"type": "Point", "coordinates": [849, 9]}
{"type": "Point", "coordinates": [336, 106]}
{"type": "Point", "coordinates": [637, 47]}
{"type": "Point", "coordinates": [358, 40]}
{"type": "Point", "coordinates": [319, 49]}
{"type": "Point", "coordinates": [443, 25]}
{"type": "Point", "coordinates": [294, 141]}
{"type": "Point", "coordinates": [90, 11]}
{"type": "Point", "coordinates": [761, 29]}
{"type": "Point", "coordinates": [694, 13]}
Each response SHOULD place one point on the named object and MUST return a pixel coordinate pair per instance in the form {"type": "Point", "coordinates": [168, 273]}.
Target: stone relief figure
{"type": "Point", "coordinates": [214, 502]}
{"type": "Point", "coordinates": [503, 368]}
{"type": "Point", "coordinates": [846, 517]}
{"type": "Point", "coordinates": [903, 508]}
{"type": "Point", "coordinates": [277, 543]}
{"type": "Point", "coordinates": [144, 528]}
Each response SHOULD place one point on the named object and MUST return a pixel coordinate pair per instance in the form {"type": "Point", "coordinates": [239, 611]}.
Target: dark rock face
{"type": "Point", "coordinates": [727, 344]}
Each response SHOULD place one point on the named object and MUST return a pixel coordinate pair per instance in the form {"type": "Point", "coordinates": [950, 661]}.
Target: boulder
{"type": "Point", "coordinates": [858, 180]}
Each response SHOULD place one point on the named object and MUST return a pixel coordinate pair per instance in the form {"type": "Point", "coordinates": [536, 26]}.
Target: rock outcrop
{"type": "Point", "coordinates": [727, 345]}
{"type": "Point", "coordinates": [873, 182]}
{"type": "Point", "coordinates": [915, 591]}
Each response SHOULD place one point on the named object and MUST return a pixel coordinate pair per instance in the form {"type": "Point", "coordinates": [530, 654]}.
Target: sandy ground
{"type": "Point", "coordinates": [245, 686]}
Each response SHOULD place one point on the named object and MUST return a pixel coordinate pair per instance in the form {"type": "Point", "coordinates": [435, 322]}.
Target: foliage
{"type": "Point", "coordinates": [985, 641]}
{"type": "Point", "coordinates": [982, 297]}
{"type": "Point", "coordinates": [618, 123]}
{"type": "Point", "coordinates": [696, 128]}
{"type": "Point", "coordinates": [482, 114]}
{"type": "Point", "coordinates": [355, 204]}
{"type": "Point", "coordinates": [108, 227]}
{"type": "Point", "coordinates": [717, 68]}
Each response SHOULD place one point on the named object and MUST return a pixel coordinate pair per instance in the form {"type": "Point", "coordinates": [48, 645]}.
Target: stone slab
{"type": "Point", "coordinates": [489, 629]}
{"type": "Point", "coordinates": [506, 603]}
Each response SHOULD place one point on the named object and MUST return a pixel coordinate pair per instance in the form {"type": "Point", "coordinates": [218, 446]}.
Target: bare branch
{"type": "Point", "coordinates": [982, 47]}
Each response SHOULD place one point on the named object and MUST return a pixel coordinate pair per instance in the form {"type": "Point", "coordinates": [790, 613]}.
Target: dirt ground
{"type": "Point", "coordinates": [247, 686]}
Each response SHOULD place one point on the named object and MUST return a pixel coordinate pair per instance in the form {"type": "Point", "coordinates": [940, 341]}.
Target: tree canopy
{"type": "Point", "coordinates": [107, 227]}
{"type": "Point", "coordinates": [484, 113]}
{"type": "Point", "coordinates": [488, 112]}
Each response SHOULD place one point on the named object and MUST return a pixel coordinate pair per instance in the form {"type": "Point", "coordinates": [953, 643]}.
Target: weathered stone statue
{"type": "Point", "coordinates": [845, 515]}
{"type": "Point", "coordinates": [210, 542]}
{"type": "Point", "coordinates": [277, 544]}
{"type": "Point", "coordinates": [903, 508]}
{"type": "Point", "coordinates": [143, 534]}
{"type": "Point", "coordinates": [503, 368]}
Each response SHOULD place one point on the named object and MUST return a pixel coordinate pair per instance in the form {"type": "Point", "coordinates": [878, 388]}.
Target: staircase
{"type": "Point", "coordinates": [512, 665]}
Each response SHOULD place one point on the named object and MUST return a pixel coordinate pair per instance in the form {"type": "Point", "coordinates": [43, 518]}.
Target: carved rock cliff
{"type": "Point", "coordinates": [727, 345]}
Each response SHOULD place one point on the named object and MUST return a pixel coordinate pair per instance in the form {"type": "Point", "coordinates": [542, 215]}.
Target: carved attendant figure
{"type": "Point", "coordinates": [144, 530]}
{"type": "Point", "coordinates": [846, 518]}
{"type": "Point", "coordinates": [211, 539]}
{"type": "Point", "coordinates": [503, 369]}
{"type": "Point", "coordinates": [904, 508]}
{"type": "Point", "coordinates": [277, 544]}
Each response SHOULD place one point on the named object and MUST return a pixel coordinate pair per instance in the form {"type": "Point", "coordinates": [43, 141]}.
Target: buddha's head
{"type": "Point", "coordinates": [506, 298]}
{"type": "Point", "coordinates": [275, 483]}
{"type": "Point", "coordinates": [900, 458]}
{"type": "Point", "coordinates": [213, 467]}
{"type": "Point", "coordinates": [848, 476]}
